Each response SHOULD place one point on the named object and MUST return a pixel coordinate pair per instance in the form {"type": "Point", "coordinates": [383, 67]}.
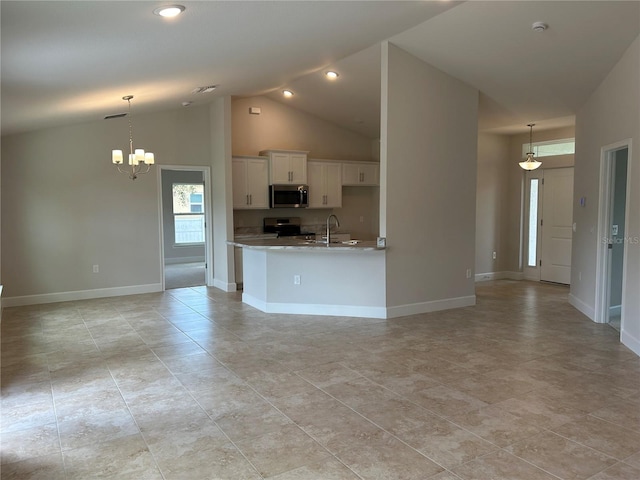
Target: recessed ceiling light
{"type": "Point", "coordinates": [169, 10]}
{"type": "Point", "coordinates": [332, 75]}
{"type": "Point", "coordinates": [287, 93]}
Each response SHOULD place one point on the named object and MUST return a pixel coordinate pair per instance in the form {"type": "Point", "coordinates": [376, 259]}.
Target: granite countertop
{"type": "Point", "coordinates": [288, 243]}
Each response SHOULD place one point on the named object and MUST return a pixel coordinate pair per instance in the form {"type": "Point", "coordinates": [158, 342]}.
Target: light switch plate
{"type": "Point", "coordinates": [382, 242]}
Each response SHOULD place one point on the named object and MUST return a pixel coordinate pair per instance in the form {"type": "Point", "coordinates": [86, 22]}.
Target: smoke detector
{"type": "Point", "coordinates": [539, 26]}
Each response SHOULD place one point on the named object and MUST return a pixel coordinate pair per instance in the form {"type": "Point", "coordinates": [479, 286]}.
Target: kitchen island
{"type": "Point", "coordinates": [294, 275]}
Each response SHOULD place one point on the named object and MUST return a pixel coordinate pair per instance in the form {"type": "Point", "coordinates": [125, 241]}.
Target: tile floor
{"type": "Point", "coordinates": [192, 384]}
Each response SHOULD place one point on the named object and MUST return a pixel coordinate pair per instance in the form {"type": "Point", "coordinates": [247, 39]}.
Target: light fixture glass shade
{"type": "Point", "coordinates": [116, 156]}
{"type": "Point", "coordinates": [530, 163]}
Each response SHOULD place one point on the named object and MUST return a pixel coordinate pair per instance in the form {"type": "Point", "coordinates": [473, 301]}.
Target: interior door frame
{"type": "Point", "coordinates": [208, 244]}
{"type": "Point", "coordinates": [605, 203]}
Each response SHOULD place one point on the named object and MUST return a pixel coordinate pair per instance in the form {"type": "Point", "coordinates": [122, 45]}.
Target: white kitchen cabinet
{"type": "Point", "coordinates": [325, 184]}
{"type": "Point", "coordinates": [360, 173]}
{"type": "Point", "coordinates": [250, 178]}
{"type": "Point", "coordinates": [287, 166]}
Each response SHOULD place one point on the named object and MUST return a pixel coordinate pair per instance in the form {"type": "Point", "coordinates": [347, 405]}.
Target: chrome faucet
{"type": "Point", "coordinates": [329, 227]}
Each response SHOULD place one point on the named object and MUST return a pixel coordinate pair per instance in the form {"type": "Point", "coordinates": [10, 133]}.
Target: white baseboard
{"type": "Point", "coordinates": [175, 260]}
{"type": "Point", "coordinates": [224, 286]}
{"type": "Point", "coordinates": [81, 295]}
{"type": "Point", "coordinates": [485, 277]}
{"type": "Point", "coordinates": [615, 311]}
{"type": "Point", "coordinates": [630, 342]}
{"type": "Point", "coordinates": [315, 309]}
{"type": "Point", "coordinates": [582, 307]}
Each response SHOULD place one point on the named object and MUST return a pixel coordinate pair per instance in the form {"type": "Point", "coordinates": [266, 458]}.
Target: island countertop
{"type": "Point", "coordinates": [290, 243]}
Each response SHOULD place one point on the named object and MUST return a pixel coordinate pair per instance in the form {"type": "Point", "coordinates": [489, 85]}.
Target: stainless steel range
{"type": "Point", "coordinates": [285, 227]}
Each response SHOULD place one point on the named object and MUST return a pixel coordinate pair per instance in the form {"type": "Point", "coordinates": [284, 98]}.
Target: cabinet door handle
{"type": "Point", "coordinates": [247, 199]}
{"type": "Point", "coordinates": [250, 200]}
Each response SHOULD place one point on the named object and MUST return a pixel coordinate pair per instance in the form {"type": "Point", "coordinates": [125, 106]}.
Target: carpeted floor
{"type": "Point", "coordinates": [182, 275]}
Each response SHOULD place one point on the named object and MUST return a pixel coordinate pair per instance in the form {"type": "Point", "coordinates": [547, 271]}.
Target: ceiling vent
{"type": "Point", "coordinates": [115, 115]}
{"type": "Point", "coordinates": [207, 89]}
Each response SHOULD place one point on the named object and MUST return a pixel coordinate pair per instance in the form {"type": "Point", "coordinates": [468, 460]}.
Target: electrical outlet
{"type": "Point", "coordinates": [361, 219]}
{"type": "Point", "coordinates": [468, 273]}
{"type": "Point", "coordinates": [296, 279]}
{"type": "Point", "coordinates": [96, 269]}
{"type": "Point", "coordinates": [494, 255]}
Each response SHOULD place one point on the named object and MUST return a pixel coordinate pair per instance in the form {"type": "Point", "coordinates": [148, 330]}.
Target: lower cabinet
{"type": "Point", "coordinates": [325, 184]}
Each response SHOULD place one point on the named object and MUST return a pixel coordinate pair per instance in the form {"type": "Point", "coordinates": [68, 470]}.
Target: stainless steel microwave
{"type": "Point", "coordinates": [288, 196]}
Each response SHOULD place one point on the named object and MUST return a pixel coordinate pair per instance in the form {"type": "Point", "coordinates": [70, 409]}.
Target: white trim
{"type": "Point", "coordinates": [604, 220]}
{"type": "Point", "coordinates": [81, 295]}
{"type": "Point", "coordinates": [315, 309]}
{"type": "Point", "coordinates": [208, 218]}
{"type": "Point", "coordinates": [485, 277]}
{"type": "Point", "coordinates": [225, 287]}
{"type": "Point", "coordinates": [630, 341]}
{"type": "Point", "coordinates": [615, 310]}
{"type": "Point", "coordinates": [581, 306]}
{"type": "Point", "coordinates": [431, 306]}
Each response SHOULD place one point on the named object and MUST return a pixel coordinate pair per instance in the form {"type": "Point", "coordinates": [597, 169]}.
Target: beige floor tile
{"type": "Point", "coordinates": [83, 430]}
{"type": "Point", "coordinates": [501, 465]}
{"type": "Point", "coordinates": [447, 444]}
{"type": "Point", "coordinates": [496, 425]}
{"type": "Point", "coordinates": [365, 392]}
{"type": "Point", "coordinates": [446, 401]}
{"type": "Point", "coordinates": [619, 471]}
{"type": "Point", "coordinates": [28, 443]}
{"type": "Point", "coordinates": [608, 438]}
{"type": "Point", "coordinates": [329, 470]}
{"type": "Point", "coordinates": [281, 451]}
{"type": "Point", "coordinates": [388, 459]}
{"type": "Point", "coordinates": [252, 421]}
{"type": "Point", "coordinates": [621, 411]}
{"type": "Point", "coordinates": [48, 467]}
{"type": "Point", "coordinates": [327, 374]}
{"type": "Point", "coordinates": [561, 457]}
{"type": "Point", "coordinates": [126, 458]}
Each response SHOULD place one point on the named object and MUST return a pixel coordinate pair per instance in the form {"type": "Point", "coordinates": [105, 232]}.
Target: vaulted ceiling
{"type": "Point", "coordinates": [67, 62]}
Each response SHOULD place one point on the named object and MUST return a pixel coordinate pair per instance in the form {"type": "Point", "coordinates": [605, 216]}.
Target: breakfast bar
{"type": "Point", "coordinates": [283, 275]}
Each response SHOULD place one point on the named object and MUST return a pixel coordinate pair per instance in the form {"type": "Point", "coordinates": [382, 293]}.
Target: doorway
{"type": "Point", "coordinates": [549, 225]}
{"type": "Point", "coordinates": [184, 216]}
{"type": "Point", "coordinates": [612, 221]}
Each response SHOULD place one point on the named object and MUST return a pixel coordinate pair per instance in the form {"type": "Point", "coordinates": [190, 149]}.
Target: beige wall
{"type": "Point", "coordinates": [491, 203]}
{"type": "Point", "coordinates": [612, 114]}
{"type": "Point", "coordinates": [65, 207]}
{"type": "Point", "coordinates": [283, 127]}
{"type": "Point", "coordinates": [428, 183]}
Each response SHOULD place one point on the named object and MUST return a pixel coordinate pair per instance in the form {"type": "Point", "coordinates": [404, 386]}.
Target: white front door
{"type": "Point", "coordinates": [556, 225]}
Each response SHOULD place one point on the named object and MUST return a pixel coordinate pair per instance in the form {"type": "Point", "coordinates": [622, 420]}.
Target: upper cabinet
{"type": "Point", "coordinates": [325, 184]}
{"type": "Point", "coordinates": [360, 173]}
{"type": "Point", "coordinates": [287, 166]}
{"type": "Point", "coordinates": [250, 178]}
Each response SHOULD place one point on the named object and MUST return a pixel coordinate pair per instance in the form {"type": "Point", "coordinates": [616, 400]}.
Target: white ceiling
{"type": "Point", "coordinates": [72, 61]}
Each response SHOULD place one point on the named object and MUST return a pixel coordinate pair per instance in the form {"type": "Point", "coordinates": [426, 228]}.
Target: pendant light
{"type": "Point", "coordinates": [137, 157]}
{"type": "Point", "coordinates": [530, 163]}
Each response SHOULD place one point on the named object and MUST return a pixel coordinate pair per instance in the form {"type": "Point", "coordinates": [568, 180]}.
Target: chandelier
{"type": "Point", "coordinates": [137, 157]}
{"type": "Point", "coordinates": [530, 163]}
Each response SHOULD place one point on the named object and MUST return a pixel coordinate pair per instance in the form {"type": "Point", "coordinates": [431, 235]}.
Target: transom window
{"type": "Point", "coordinates": [566, 146]}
